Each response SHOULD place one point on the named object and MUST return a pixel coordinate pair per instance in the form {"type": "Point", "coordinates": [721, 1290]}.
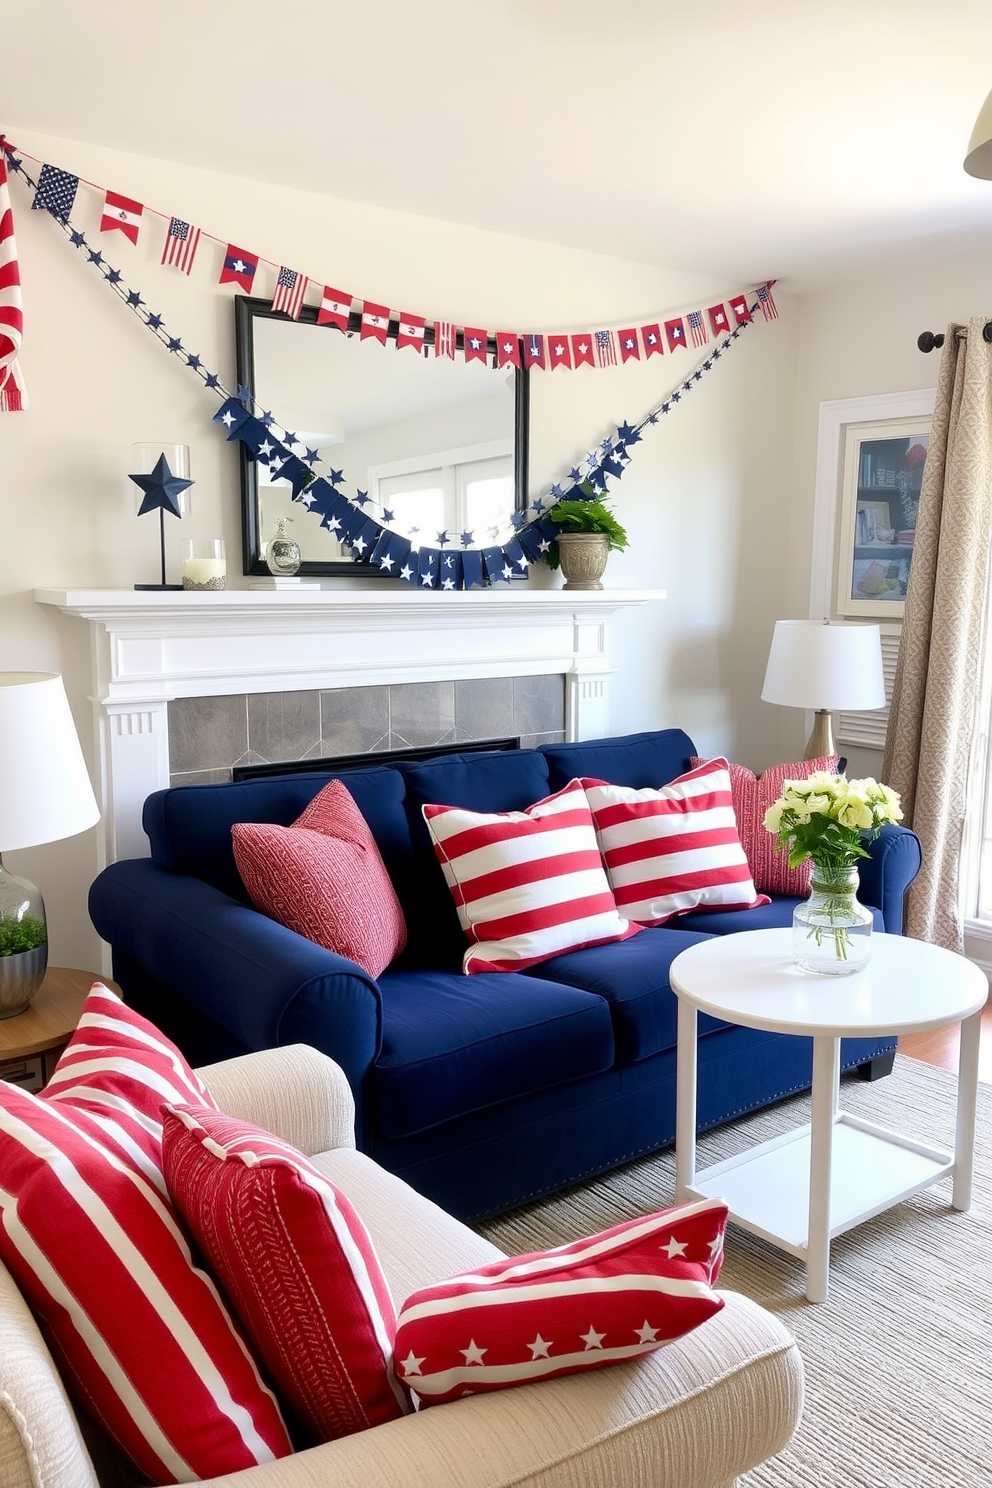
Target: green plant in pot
{"type": "Point", "coordinates": [590, 532]}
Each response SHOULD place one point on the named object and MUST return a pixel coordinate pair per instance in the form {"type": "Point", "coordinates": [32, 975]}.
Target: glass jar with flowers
{"type": "Point", "coordinates": [828, 819]}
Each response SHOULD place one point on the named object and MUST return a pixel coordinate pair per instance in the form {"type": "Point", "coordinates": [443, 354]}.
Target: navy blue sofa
{"type": "Point", "coordinates": [482, 1091]}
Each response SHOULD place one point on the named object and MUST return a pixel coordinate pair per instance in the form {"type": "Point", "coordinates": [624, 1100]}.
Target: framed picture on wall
{"type": "Point", "coordinates": [880, 499]}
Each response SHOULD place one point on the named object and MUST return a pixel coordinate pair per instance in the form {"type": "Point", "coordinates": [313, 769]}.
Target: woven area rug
{"type": "Point", "coordinates": [899, 1359]}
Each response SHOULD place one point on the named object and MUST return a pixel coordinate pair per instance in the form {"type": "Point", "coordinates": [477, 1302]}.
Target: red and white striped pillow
{"type": "Point", "coordinates": [528, 885]}
{"type": "Point", "coordinates": [674, 849]}
{"type": "Point", "coordinates": [143, 1339]}
{"type": "Point", "coordinates": [297, 1265]}
{"type": "Point", "coordinates": [753, 794]}
{"type": "Point", "coordinates": [324, 878]}
{"type": "Point", "coordinates": [600, 1301]}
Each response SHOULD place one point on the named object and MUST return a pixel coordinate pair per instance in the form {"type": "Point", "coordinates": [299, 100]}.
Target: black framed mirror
{"type": "Point", "coordinates": [438, 442]}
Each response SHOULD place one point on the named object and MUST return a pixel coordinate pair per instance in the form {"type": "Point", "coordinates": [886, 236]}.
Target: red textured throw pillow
{"type": "Point", "coordinates": [600, 1301]}
{"type": "Point", "coordinates": [753, 794]}
{"type": "Point", "coordinates": [674, 849]}
{"type": "Point", "coordinates": [530, 884]}
{"type": "Point", "coordinates": [143, 1339]}
{"type": "Point", "coordinates": [324, 878]}
{"type": "Point", "coordinates": [296, 1264]}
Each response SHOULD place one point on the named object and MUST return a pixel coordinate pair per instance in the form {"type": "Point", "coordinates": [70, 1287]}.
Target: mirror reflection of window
{"type": "Point", "coordinates": [487, 498]}
{"type": "Point", "coordinates": [456, 491]}
{"type": "Point", "coordinates": [416, 500]}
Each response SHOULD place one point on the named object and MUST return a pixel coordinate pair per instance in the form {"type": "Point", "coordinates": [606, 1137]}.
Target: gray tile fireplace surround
{"type": "Point", "coordinates": [209, 735]}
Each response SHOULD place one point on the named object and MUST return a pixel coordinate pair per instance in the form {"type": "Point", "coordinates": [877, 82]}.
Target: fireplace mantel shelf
{"type": "Point", "coordinates": [231, 607]}
{"type": "Point", "coordinates": [150, 647]}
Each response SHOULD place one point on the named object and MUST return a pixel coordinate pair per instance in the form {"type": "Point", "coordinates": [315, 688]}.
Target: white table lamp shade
{"type": "Point", "coordinates": [45, 791]}
{"type": "Point", "coordinates": [812, 665]}
{"type": "Point", "coordinates": [978, 160]}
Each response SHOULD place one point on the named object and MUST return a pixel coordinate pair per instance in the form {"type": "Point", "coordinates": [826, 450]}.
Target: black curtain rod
{"type": "Point", "coordinates": [927, 341]}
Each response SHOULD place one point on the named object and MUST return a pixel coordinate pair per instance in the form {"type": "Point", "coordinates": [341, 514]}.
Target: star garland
{"type": "Point", "coordinates": [444, 566]}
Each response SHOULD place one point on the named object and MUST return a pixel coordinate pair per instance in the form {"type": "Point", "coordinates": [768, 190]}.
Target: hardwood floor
{"type": "Point", "coordinates": [941, 1047]}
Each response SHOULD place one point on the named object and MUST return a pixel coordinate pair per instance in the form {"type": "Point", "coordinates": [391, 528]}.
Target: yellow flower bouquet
{"type": "Point", "coordinates": [828, 819]}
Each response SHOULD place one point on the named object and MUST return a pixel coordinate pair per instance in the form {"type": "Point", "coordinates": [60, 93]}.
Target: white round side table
{"type": "Point", "coordinates": [800, 1190]}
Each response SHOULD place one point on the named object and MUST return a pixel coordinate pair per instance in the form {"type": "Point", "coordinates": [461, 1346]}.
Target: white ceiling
{"type": "Point", "coordinates": [777, 139]}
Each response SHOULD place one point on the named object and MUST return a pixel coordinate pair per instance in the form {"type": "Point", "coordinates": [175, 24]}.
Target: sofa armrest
{"type": "Point", "coordinates": [241, 969]}
{"type": "Point", "coordinates": [295, 1092]}
{"type": "Point", "coordinates": [894, 860]}
{"type": "Point", "coordinates": [695, 1414]}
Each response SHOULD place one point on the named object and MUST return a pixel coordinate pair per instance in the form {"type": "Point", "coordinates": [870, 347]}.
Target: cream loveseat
{"type": "Point", "coordinates": [694, 1414]}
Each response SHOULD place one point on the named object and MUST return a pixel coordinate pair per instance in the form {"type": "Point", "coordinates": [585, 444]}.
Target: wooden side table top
{"type": "Point", "coordinates": [50, 1019]}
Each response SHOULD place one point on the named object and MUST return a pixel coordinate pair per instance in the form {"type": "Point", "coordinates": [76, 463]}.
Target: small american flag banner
{"type": "Point", "coordinates": [697, 328]}
{"type": "Point", "coordinates": [290, 289]}
{"type": "Point", "coordinates": [181, 243]}
{"type": "Point", "coordinates": [606, 349]}
{"type": "Point", "coordinates": [12, 394]}
{"type": "Point", "coordinates": [56, 192]}
{"type": "Point", "coordinates": [444, 339]}
{"type": "Point", "coordinates": [768, 307]}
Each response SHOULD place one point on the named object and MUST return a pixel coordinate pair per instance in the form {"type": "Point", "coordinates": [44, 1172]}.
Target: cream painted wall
{"type": "Point", "coordinates": [706, 500]}
{"type": "Point", "coordinates": [857, 341]}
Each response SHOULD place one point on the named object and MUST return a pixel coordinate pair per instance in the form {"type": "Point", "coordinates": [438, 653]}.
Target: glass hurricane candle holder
{"type": "Point", "coordinates": [204, 563]}
{"type": "Point", "coordinates": [160, 473]}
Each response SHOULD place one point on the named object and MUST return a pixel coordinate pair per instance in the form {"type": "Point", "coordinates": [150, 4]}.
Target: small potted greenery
{"type": "Point", "coordinates": [590, 533]}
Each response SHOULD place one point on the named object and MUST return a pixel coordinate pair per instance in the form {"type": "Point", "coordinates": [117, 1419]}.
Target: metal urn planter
{"type": "Point", "coordinates": [583, 558]}
{"type": "Point", "coordinates": [20, 977]}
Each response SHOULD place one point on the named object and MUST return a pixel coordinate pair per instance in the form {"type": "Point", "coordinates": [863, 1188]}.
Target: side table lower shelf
{"type": "Point", "coordinates": [767, 1187]}
{"type": "Point", "coordinates": [29, 1074]}
{"type": "Point", "coordinates": [31, 1041]}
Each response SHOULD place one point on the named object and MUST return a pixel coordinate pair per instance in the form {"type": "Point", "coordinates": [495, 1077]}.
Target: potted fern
{"type": "Point", "coordinates": [590, 532]}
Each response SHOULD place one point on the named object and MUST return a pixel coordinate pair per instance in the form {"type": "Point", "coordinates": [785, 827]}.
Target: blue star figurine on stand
{"type": "Point", "coordinates": [161, 490]}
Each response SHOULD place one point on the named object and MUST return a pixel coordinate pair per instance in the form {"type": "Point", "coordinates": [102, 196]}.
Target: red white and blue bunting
{"type": "Point", "coordinates": [454, 561]}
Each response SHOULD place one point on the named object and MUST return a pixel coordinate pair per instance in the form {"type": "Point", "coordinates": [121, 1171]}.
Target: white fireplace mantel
{"type": "Point", "coordinates": [149, 647]}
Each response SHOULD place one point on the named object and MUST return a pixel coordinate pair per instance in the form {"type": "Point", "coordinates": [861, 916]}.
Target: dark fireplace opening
{"type": "Point", "coordinates": [326, 763]}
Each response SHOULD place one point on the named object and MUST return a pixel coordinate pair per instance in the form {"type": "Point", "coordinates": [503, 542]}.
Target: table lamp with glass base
{"type": "Point", "coordinates": [45, 795]}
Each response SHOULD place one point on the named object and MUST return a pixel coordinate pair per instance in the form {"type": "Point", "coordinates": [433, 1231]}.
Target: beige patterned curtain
{"type": "Point", "coordinates": [938, 676]}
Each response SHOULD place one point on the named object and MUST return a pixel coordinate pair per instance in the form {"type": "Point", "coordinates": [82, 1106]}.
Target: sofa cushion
{"type": "Point", "coordinates": [528, 884]}
{"type": "Point", "coordinates": [614, 1296]}
{"type": "Point", "coordinates": [143, 1339]}
{"type": "Point", "coordinates": [674, 848]}
{"type": "Point", "coordinates": [506, 780]}
{"type": "Point", "coordinates": [753, 794]}
{"type": "Point", "coordinates": [189, 826]}
{"type": "Point", "coordinates": [324, 878]}
{"type": "Point", "coordinates": [453, 1044]}
{"type": "Point", "coordinates": [632, 978]}
{"type": "Point", "coordinates": [296, 1264]}
{"type": "Point", "coordinates": [645, 759]}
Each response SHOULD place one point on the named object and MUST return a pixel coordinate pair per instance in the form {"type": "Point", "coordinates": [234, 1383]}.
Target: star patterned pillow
{"type": "Point", "coordinates": [612, 1297]}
